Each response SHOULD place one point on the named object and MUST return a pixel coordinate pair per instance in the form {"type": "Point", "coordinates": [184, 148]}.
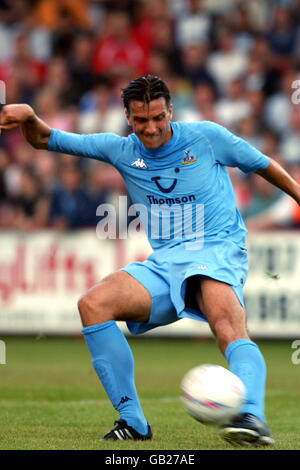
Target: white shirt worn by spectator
{"type": "Point", "coordinates": [229, 112]}
{"type": "Point", "coordinates": [225, 67]}
{"type": "Point", "coordinates": [192, 29]}
{"type": "Point", "coordinates": [113, 120]}
{"type": "Point", "coordinates": [290, 148]}
{"type": "Point", "coordinates": [277, 112]}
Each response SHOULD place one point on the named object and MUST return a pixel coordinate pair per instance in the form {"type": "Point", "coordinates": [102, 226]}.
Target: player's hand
{"type": "Point", "coordinates": [12, 115]}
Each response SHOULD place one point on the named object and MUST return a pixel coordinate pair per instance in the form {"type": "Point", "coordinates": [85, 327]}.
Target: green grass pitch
{"type": "Point", "coordinates": [51, 398]}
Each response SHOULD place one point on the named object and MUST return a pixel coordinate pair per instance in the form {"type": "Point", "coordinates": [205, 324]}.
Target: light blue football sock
{"type": "Point", "coordinates": [113, 362]}
{"type": "Point", "coordinates": [246, 361]}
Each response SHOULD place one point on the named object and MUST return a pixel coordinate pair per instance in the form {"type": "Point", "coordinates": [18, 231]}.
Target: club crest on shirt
{"type": "Point", "coordinates": [139, 163]}
{"type": "Point", "coordinates": [188, 159]}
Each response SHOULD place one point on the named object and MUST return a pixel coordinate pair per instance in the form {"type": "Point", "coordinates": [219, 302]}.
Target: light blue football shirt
{"type": "Point", "coordinates": [182, 190]}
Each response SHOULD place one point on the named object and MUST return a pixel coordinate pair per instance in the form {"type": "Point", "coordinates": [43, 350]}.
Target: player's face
{"type": "Point", "coordinates": [151, 122]}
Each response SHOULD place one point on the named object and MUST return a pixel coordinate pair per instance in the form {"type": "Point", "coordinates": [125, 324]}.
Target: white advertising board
{"type": "Point", "coordinates": [42, 276]}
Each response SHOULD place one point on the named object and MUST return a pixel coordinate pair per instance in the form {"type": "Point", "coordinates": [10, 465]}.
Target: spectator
{"type": "Point", "coordinates": [280, 103]}
{"type": "Point", "coordinates": [79, 64]}
{"type": "Point", "coordinates": [227, 62]}
{"type": "Point", "coordinates": [202, 106]}
{"type": "Point", "coordinates": [48, 103]}
{"type": "Point", "coordinates": [159, 64]}
{"type": "Point", "coordinates": [31, 204]}
{"type": "Point", "coordinates": [101, 114]}
{"type": "Point", "coordinates": [193, 64]}
{"type": "Point", "coordinates": [48, 13]}
{"type": "Point", "coordinates": [117, 49]}
{"type": "Point", "coordinates": [256, 100]}
{"type": "Point", "coordinates": [248, 129]}
{"type": "Point", "coordinates": [282, 36]}
{"type": "Point", "coordinates": [59, 80]}
{"type": "Point", "coordinates": [269, 208]}
{"type": "Point", "coordinates": [243, 27]}
{"type": "Point", "coordinates": [262, 65]}
{"type": "Point", "coordinates": [144, 25]}
{"type": "Point", "coordinates": [163, 42]}
{"type": "Point", "coordinates": [193, 27]}
{"type": "Point", "coordinates": [21, 68]}
{"type": "Point", "coordinates": [39, 39]}
{"type": "Point", "coordinates": [103, 183]}
{"type": "Point", "coordinates": [290, 143]}
{"type": "Point", "coordinates": [45, 167]}
{"type": "Point", "coordinates": [256, 75]}
{"type": "Point", "coordinates": [69, 201]}
{"type": "Point", "coordinates": [21, 158]}
{"type": "Point", "coordinates": [234, 105]}
{"type": "Point", "coordinates": [269, 144]}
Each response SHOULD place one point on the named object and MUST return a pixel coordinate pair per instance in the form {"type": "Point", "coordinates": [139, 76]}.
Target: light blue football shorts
{"type": "Point", "coordinates": [166, 271]}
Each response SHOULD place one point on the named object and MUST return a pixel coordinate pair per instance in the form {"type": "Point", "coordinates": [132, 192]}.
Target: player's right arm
{"type": "Point", "coordinates": [35, 131]}
{"type": "Point", "coordinates": [103, 146]}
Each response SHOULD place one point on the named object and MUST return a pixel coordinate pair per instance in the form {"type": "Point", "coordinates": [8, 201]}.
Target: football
{"type": "Point", "coordinates": [212, 394]}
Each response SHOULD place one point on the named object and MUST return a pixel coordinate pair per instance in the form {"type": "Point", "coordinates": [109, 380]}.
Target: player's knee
{"type": "Point", "coordinates": [85, 305]}
{"type": "Point", "coordinates": [95, 307]}
{"type": "Point", "coordinates": [85, 309]}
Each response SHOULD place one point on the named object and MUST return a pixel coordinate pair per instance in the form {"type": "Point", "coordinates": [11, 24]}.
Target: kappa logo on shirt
{"type": "Point", "coordinates": [139, 163]}
{"type": "Point", "coordinates": [188, 159]}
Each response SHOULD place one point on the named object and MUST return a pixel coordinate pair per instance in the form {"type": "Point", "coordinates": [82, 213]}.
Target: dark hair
{"type": "Point", "coordinates": [145, 89]}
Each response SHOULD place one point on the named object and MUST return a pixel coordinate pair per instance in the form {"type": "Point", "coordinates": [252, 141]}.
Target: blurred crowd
{"type": "Point", "coordinates": [233, 62]}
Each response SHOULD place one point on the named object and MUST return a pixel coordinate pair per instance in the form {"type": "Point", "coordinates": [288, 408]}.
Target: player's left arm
{"type": "Point", "coordinates": [278, 176]}
{"type": "Point", "coordinates": [233, 151]}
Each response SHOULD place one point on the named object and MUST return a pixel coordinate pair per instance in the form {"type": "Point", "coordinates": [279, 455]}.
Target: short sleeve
{"type": "Point", "coordinates": [105, 147]}
{"type": "Point", "coordinates": [233, 151]}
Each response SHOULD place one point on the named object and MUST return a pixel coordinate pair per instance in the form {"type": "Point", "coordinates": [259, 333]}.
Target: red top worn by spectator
{"type": "Point", "coordinates": [118, 49]}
